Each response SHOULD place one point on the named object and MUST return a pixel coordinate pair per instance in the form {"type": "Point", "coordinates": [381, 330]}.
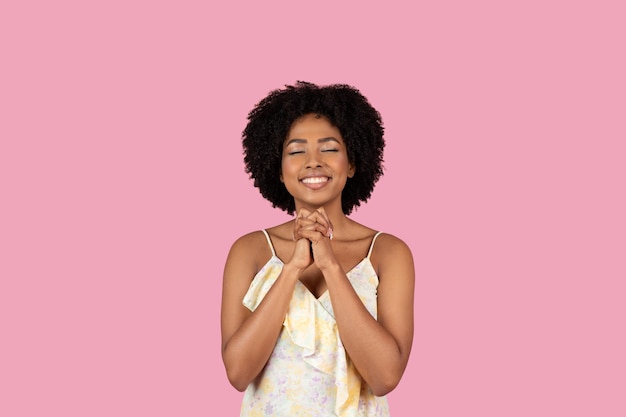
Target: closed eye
{"type": "Point", "coordinates": [330, 150]}
{"type": "Point", "coordinates": [294, 152]}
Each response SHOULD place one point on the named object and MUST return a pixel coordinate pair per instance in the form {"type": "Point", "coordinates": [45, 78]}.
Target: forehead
{"type": "Point", "coordinates": [313, 126]}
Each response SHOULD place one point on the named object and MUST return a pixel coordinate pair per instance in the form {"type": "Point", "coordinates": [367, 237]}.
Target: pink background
{"type": "Point", "coordinates": [122, 188]}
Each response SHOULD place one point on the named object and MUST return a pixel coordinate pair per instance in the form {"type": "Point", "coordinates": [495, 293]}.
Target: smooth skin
{"type": "Point", "coordinates": [317, 248]}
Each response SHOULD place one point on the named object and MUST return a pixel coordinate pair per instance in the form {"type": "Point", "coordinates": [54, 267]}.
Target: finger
{"type": "Point", "coordinates": [301, 215]}
{"type": "Point", "coordinates": [314, 235]}
{"type": "Point", "coordinates": [323, 212]}
{"type": "Point", "coordinates": [305, 217]}
{"type": "Point", "coordinates": [323, 218]}
{"type": "Point", "coordinates": [304, 223]}
{"type": "Point", "coordinates": [310, 228]}
{"type": "Point", "coordinates": [318, 217]}
{"type": "Point", "coordinates": [310, 223]}
{"type": "Point", "coordinates": [304, 213]}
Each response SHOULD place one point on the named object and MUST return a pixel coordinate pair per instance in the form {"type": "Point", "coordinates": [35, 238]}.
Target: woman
{"type": "Point", "coordinates": [317, 312]}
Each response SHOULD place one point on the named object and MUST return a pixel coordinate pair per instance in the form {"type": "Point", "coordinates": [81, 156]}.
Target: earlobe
{"type": "Point", "coordinates": [281, 178]}
{"type": "Point", "coordinates": [351, 171]}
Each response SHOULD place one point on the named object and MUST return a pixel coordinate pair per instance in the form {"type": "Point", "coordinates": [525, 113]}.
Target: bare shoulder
{"type": "Point", "coordinates": [390, 251]}
{"type": "Point", "coordinates": [251, 249]}
{"type": "Point", "coordinates": [388, 245]}
{"type": "Point", "coordinates": [249, 240]}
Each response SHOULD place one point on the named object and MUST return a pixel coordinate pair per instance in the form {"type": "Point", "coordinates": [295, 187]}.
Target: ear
{"type": "Point", "coordinates": [352, 170]}
{"type": "Point", "coordinates": [281, 178]}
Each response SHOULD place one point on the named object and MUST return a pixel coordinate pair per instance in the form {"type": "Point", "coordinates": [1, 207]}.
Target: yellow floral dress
{"type": "Point", "coordinates": [309, 372]}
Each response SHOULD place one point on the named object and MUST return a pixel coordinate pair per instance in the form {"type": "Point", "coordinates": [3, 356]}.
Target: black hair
{"type": "Point", "coordinates": [345, 107]}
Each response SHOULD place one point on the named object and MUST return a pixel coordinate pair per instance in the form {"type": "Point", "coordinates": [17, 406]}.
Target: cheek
{"type": "Point", "coordinates": [286, 170]}
{"type": "Point", "coordinates": [345, 162]}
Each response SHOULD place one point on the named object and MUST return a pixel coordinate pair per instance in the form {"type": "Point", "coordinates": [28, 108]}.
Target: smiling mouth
{"type": "Point", "coordinates": [315, 180]}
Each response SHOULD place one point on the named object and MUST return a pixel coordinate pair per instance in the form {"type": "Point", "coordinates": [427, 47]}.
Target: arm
{"type": "Point", "coordinates": [379, 349]}
{"type": "Point", "coordinates": [248, 338]}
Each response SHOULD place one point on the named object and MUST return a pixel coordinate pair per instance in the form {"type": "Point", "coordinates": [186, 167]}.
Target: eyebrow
{"type": "Point", "coordinates": [321, 140]}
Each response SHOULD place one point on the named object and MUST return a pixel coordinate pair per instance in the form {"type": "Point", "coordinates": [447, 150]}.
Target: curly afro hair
{"type": "Point", "coordinates": [345, 107]}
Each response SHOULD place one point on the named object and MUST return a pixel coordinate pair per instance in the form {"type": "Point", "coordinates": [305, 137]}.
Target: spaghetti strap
{"type": "Point", "coordinates": [372, 244]}
{"type": "Point", "coordinates": [269, 241]}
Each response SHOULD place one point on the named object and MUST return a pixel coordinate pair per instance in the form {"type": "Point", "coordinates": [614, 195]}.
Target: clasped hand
{"type": "Point", "coordinates": [312, 233]}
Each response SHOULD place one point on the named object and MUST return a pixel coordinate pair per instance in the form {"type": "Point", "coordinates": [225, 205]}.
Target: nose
{"type": "Point", "coordinates": [313, 160]}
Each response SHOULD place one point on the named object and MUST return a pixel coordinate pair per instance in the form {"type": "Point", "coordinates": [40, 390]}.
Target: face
{"type": "Point", "coordinates": [315, 164]}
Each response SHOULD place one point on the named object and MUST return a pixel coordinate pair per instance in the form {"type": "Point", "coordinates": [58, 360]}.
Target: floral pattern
{"type": "Point", "coordinates": [309, 372]}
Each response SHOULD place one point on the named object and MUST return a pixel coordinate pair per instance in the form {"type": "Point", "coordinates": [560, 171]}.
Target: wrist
{"type": "Point", "coordinates": [290, 269]}
{"type": "Point", "coordinates": [331, 268]}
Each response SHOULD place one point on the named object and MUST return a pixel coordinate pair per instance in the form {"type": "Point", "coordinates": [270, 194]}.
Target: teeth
{"type": "Point", "coordinates": [314, 180]}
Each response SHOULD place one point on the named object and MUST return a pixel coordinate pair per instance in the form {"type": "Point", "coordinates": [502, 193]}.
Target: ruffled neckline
{"type": "Point", "coordinates": [311, 325]}
{"type": "Point", "coordinates": [325, 294]}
